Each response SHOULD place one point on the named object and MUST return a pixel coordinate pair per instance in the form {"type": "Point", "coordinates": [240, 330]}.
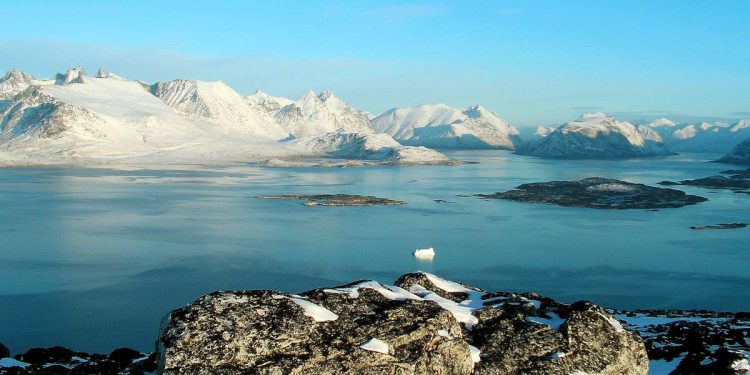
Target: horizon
{"type": "Point", "coordinates": [546, 63]}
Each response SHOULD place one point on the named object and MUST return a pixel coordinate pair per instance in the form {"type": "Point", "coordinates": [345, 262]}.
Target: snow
{"type": "Point", "coordinates": [10, 362]}
{"type": "Point", "coordinates": [447, 285]}
{"type": "Point", "coordinates": [741, 365]}
{"type": "Point", "coordinates": [375, 345]}
{"type": "Point", "coordinates": [613, 322]}
{"type": "Point", "coordinates": [391, 292]}
{"type": "Point", "coordinates": [315, 311]}
{"type": "Point", "coordinates": [662, 366]}
{"type": "Point", "coordinates": [440, 126]}
{"type": "Point", "coordinates": [474, 351]}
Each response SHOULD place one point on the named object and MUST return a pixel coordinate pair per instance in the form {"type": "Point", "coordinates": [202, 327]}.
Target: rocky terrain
{"type": "Point", "coordinates": [597, 192]}
{"type": "Point", "coordinates": [421, 325]}
{"type": "Point", "coordinates": [337, 200]}
{"type": "Point", "coordinates": [737, 180]}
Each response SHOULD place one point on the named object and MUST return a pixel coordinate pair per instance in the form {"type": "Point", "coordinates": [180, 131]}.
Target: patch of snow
{"type": "Point", "coordinates": [474, 354]}
{"type": "Point", "coordinates": [613, 187]}
{"type": "Point", "coordinates": [376, 345]}
{"type": "Point", "coordinates": [613, 322]}
{"type": "Point", "coordinates": [447, 285]}
{"type": "Point", "coordinates": [315, 311]}
{"type": "Point", "coordinates": [10, 362]}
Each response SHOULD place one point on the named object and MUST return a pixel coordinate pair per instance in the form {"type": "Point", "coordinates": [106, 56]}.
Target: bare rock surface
{"type": "Point", "coordinates": [421, 325]}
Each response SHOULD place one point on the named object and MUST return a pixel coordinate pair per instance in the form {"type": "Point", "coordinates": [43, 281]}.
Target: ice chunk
{"type": "Point", "coordinates": [424, 253]}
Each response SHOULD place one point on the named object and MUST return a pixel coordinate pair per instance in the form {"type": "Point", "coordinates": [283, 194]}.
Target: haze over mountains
{"type": "Point", "coordinates": [77, 118]}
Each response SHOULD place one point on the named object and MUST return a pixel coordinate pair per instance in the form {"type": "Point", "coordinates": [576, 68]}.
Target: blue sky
{"type": "Point", "coordinates": [532, 62]}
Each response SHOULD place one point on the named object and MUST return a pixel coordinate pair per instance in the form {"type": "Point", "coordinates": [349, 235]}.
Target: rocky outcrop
{"type": "Point", "coordinates": [337, 200]}
{"type": "Point", "coordinates": [597, 192]}
{"type": "Point", "coordinates": [421, 325]}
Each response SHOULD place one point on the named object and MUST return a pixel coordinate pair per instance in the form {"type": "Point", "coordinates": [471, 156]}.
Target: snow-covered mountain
{"type": "Point", "coordinates": [312, 114]}
{"type": "Point", "coordinates": [739, 155]}
{"type": "Point", "coordinates": [75, 118]}
{"type": "Point", "coordinates": [441, 126]}
{"type": "Point", "coordinates": [597, 136]}
{"type": "Point", "coordinates": [707, 137]}
{"type": "Point", "coordinates": [15, 81]}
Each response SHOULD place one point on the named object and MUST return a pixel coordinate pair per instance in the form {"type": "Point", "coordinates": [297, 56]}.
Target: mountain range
{"type": "Point", "coordinates": [74, 118]}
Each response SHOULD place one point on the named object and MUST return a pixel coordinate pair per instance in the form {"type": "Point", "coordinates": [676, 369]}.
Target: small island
{"type": "Point", "coordinates": [736, 180]}
{"type": "Point", "coordinates": [597, 192]}
{"type": "Point", "coordinates": [337, 200]}
{"type": "Point", "coordinates": [720, 226]}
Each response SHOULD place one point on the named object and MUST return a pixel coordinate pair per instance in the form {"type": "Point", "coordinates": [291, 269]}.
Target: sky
{"type": "Point", "coordinates": [531, 62]}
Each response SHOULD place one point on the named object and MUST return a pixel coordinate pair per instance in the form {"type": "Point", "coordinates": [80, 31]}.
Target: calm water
{"type": "Point", "coordinates": [93, 258]}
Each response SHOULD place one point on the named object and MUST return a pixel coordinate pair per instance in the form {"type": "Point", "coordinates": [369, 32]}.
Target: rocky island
{"type": "Point", "coordinates": [423, 324]}
{"type": "Point", "coordinates": [337, 200]}
{"type": "Point", "coordinates": [737, 180]}
{"type": "Point", "coordinates": [597, 192]}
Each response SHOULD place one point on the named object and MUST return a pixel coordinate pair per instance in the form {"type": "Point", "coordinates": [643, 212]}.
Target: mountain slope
{"type": "Point", "coordinates": [596, 136]}
{"type": "Point", "coordinates": [739, 155]}
{"type": "Point", "coordinates": [440, 126]}
{"type": "Point", "coordinates": [216, 102]}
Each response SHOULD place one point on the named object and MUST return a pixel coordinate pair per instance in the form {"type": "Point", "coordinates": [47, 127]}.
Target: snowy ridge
{"type": "Point", "coordinates": [597, 135]}
{"type": "Point", "coordinates": [441, 126]}
{"type": "Point", "coordinates": [217, 102]}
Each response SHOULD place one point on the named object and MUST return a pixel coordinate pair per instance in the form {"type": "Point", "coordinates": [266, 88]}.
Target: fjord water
{"type": "Point", "coordinates": [92, 258]}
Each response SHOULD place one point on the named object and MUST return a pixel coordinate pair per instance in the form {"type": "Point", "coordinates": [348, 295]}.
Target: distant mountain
{"type": "Point", "coordinates": [313, 114]}
{"type": "Point", "coordinates": [702, 137]}
{"type": "Point", "coordinates": [15, 81]}
{"type": "Point", "coordinates": [441, 126]}
{"type": "Point", "coordinates": [597, 136]}
{"type": "Point", "coordinates": [739, 155]}
{"type": "Point", "coordinates": [76, 118]}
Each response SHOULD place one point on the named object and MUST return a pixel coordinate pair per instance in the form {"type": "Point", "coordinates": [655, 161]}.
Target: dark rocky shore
{"type": "Point", "coordinates": [421, 325]}
{"type": "Point", "coordinates": [337, 200]}
{"type": "Point", "coordinates": [597, 192]}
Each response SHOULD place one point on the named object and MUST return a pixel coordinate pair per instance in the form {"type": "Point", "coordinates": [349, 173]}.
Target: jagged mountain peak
{"type": "Point", "coordinates": [15, 80]}
{"type": "Point", "coordinates": [72, 75]}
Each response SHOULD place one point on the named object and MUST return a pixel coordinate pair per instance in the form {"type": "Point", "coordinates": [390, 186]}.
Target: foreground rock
{"type": "Point", "coordinates": [737, 180]}
{"type": "Point", "coordinates": [338, 200]}
{"type": "Point", "coordinates": [739, 155]}
{"type": "Point", "coordinates": [417, 326]}
{"type": "Point", "coordinates": [597, 192]}
{"type": "Point", "coordinates": [422, 325]}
